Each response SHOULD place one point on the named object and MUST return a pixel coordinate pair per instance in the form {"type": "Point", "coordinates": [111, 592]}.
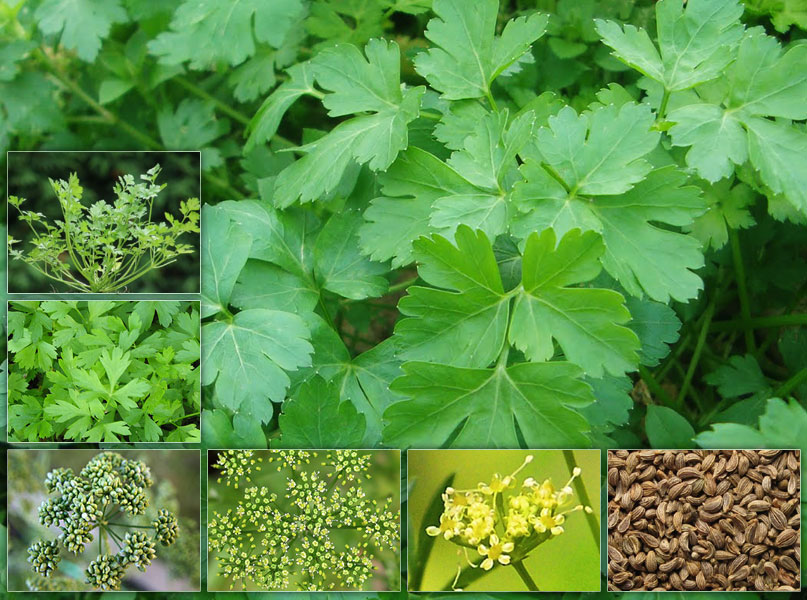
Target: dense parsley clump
{"type": "Point", "coordinates": [93, 503]}
{"type": "Point", "coordinates": [322, 528]}
{"type": "Point", "coordinates": [109, 244]}
{"type": "Point", "coordinates": [104, 371]}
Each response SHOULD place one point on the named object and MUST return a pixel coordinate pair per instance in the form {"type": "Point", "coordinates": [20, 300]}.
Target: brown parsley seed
{"type": "Point", "coordinates": [738, 562]}
{"type": "Point", "coordinates": [759, 505]}
{"type": "Point", "coordinates": [740, 574]}
{"type": "Point", "coordinates": [733, 462]}
{"type": "Point", "coordinates": [712, 504]}
{"type": "Point", "coordinates": [787, 538]}
{"type": "Point", "coordinates": [788, 563]}
{"type": "Point", "coordinates": [700, 581]}
{"type": "Point", "coordinates": [771, 570]}
{"type": "Point", "coordinates": [757, 549]}
{"type": "Point", "coordinates": [651, 562]}
{"type": "Point", "coordinates": [778, 518]}
{"type": "Point", "coordinates": [689, 473]}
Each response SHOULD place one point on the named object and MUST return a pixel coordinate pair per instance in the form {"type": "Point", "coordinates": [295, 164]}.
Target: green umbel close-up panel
{"type": "Point", "coordinates": [396, 298]}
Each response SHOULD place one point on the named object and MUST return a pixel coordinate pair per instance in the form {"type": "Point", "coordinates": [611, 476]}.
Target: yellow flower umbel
{"type": "Point", "coordinates": [504, 530]}
{"type": "Point", "coordinates": [496, 551]}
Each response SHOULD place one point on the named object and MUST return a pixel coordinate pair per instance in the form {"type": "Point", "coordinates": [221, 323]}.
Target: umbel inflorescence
{"type": "Point", "coordinates": [322, 530]}
{"type": "Point", "coordinates": [500, 523]}
{"type": "Point", "coordinates": [108, 489]}
{"type": "Point", "coordinates": [106, 246]}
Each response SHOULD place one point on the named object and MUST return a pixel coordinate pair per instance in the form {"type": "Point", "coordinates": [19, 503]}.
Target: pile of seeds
{"type": "Point", "coordinates": [703, 520]}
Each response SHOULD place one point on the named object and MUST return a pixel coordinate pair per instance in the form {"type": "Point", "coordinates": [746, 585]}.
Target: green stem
{"type": "Point", "coordinates": [491, 101]}
{"type": "Point", "coordinates": [525, 576]}
{"type": "Point", "coordinates": [181, 418]}
{"type": "Point", "coordinates": [742, 289]}
{"type": "Point", "coordinates": [696, 355]}
{"type": "Point", "coordinates": [135, 526]}
{"type": "Point", "coordinates": [402, 285]}
{"type": "Point", "coordinates": [220, 106]}
{"type": "Point", "coordinates": [664, 100]}
{"type": "Point", "coordinates": [654, 386]}
{"type": "Point", "coordinates": [74, 87]}
{"type": "Point", "coordinates": [760, 322]}
{"type": "Point", "coordinates": [581, 492]}
{"type": "Point", "coordinates": [785, 388]}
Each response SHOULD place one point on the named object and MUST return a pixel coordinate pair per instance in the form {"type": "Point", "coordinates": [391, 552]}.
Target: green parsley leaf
{"type": "Point", "coordinates": [740, 377]}
{"type": "Point", "coordinates": [225, 251]}
{"type": "Point", "coordinates": [83, 24]}
{"type": "Point", "coordinates": [695, 41]}
{"type": "Point", "coordinates": [667, 429]}
{"type": "Point", "coordinates": [247, 357]}
{"type": "Point", "coordinates": [357, 83]}
{"type": "Point", "coordinates": [340, 267]}
{"type": "Point", "coordinates": [491, 408]}
{"type": "Point", "coordinates": [316, 418]}
{"type": "Point", "coordinates": [468, 57]}
{"type": "Point", "coordinates": [199, 28]}
{"type": "Point", "coordinates": [588, 324]}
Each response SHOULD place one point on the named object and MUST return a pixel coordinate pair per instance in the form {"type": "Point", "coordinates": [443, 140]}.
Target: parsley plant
{"type": "Point", "coordinates": [109, 244]}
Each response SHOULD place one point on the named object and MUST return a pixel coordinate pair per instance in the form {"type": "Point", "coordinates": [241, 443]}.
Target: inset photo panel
{"type": "Point", "coordinates": [304, 520]}
{"type": "Point", "coordinates": [503, 520]}
{"type": "Point", "coordinates": [103, 222]}
{"type": "Point", "coordinates": [704, 520]}
{"type": "Point", "coordinates": [104, 371]}
{"type": "Point", "coordinates": [95, 520]}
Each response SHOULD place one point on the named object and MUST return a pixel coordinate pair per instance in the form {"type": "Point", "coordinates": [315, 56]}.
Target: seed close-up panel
{"type": "Point", "coordinates": [700, 520]}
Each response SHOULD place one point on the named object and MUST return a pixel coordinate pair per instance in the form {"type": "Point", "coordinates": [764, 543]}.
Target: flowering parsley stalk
{"type": "Point", "coordinates": [106, 490]}
{"type": "Point", "coordinates": [501, 522]}
{"type": "Point", "coordinates": [107, 246]}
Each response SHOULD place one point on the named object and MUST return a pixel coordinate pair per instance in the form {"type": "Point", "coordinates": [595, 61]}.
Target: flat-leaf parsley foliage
{"type": "Point", "coordinates": [103, 371]}
{"type": "Point", "coordinates": [324, 522]}
{"type": "Point", "coordinates": [445, 222]}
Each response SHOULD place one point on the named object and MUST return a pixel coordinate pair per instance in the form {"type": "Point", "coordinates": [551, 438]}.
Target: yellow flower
{"type": "Point", "coordinates": [520, 503]}
{"type": "Point", "coordinates": [497, 551]}
{"type": "Point", "coordinates": [449, 527]}
{"type": "Point", "coordinates": [549, 522]}
{"type": "Point", "coordinates": [479, 510]}
{"type": "Point", "coordinates": [517, 525]}
{"type": "Point", "coordinates": [478, 530]}
{"type": "Point", "coordinates": [497, 485]}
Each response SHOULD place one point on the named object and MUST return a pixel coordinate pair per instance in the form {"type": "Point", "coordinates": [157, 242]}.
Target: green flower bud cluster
{"type": "Point", "coordinates": [138, 549]}
{"type": "Point", "coordinates": [350, 465]}
{"type": "Point", "coordinates": [44, 557]}
{"type": "Point", "coordinates": [167, 528]}
{"type": "Point", "coordinates": [105, 572]}
{"type": "Point", "coordinates": [236, 466]}
{"type": "Point", "coordinates": [107, 489]}
{"type": "Point", "coordinates": [291, 459]}
{"type": "Point", "coordinates": [322, 532]}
